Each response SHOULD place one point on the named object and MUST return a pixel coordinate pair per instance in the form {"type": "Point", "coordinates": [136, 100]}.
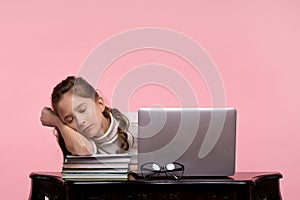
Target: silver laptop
{"type": "Point", "coordinates": [203, 140]}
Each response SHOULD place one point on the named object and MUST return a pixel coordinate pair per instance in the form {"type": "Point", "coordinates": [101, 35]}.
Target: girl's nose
{"type": "Point", "coordinates": [80, 120]}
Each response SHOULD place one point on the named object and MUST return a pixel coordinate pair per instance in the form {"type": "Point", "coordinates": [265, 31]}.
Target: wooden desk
{"type": "Point", "coordinates": [241, 186]}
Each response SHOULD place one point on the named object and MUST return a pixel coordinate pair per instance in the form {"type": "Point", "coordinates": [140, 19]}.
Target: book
{"type": "Point", "coordinates": [99, 158]}
{"type": "Point", "coordinates": [95, 171]}
{"type": "Point", "coordinates": [96, 167]}
{"type": "Point", "coordinates": [94, 176]}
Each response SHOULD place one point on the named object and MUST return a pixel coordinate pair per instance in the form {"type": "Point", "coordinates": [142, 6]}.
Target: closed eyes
{"type": "Point", "coordinates": [81, 108]}
{"type": "Point", "coordinates": [69, 119]}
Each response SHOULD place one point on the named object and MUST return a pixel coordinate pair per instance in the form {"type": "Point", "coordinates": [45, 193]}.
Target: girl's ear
{"type": "Point", "coordinates": [101, 103]}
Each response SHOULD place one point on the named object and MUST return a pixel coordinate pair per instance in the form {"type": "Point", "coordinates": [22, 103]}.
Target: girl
{"type": "Point", "coordinates": [84, 124]}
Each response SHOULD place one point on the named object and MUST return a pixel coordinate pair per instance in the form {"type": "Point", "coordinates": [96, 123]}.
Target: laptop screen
{"type": "Point", "coordinates": [201, 139]}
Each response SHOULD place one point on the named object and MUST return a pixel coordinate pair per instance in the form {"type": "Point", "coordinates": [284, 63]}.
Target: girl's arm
{"type": "Point", "coordinates": [76, 143]}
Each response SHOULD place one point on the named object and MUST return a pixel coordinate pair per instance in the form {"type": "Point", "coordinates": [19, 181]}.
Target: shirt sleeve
{"type": "Point", "coordinates": [94, 147]}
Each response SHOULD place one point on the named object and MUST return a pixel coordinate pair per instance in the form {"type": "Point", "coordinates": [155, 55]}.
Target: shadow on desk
{"type": "Point", "coordinates": [243, 185]}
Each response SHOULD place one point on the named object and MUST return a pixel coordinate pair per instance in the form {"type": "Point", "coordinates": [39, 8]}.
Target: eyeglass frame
{"type": "Point", "coordinates": [163, 169]}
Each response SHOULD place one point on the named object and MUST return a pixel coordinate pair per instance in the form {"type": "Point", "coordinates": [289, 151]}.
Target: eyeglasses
{"type": "Point", "coordinates": [152, 170]}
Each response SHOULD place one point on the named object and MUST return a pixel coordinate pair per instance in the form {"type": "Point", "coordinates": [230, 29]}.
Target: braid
{"type": "Point", "coordinates": [123, 127]}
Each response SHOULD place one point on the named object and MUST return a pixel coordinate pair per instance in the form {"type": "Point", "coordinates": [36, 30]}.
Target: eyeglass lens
{"type": "Point", "coordinates": [152, 170]}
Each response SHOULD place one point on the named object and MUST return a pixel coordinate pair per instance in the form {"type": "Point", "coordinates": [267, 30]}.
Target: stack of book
{"type": "Point", "coordinates": [96, 167]}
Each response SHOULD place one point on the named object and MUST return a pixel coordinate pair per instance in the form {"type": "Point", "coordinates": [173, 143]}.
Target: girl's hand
{"type": "Point", "coordinates": [49, 118]}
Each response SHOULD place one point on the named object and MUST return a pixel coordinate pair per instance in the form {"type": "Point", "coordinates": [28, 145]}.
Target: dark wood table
{"type": "Point", "coordinates": [243, 185]}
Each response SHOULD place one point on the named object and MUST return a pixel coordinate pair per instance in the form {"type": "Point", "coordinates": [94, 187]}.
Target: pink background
{"type": "Point", "coordinates": [255, 45]}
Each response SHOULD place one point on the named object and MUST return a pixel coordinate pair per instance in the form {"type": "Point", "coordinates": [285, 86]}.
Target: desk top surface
{"type": "Point", "coordinates": [237, 178]}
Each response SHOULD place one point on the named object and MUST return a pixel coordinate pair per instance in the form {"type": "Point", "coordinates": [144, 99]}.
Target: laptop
{"type": "Point", "coordinates": [203, 140]}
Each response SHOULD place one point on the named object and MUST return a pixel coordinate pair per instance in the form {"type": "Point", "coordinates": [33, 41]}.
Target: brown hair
{"type": "Point", "coordinates": [82, 88]}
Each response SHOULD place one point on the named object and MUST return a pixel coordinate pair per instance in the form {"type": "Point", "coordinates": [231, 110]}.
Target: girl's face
{"type": "Point", "coordinates": [84, 115]}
